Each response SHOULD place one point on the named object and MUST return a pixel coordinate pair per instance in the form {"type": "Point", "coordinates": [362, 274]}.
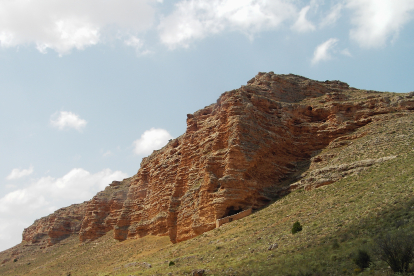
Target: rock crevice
{"type": "Point", "coordinates": [239, 152]}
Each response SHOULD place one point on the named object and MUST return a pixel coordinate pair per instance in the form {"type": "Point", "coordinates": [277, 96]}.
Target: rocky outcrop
{"type": "Point", "coordinates": [236, 154]}
{"type": "Point", "coordinates": [103, 210]}
{"type": "Point", "coordinates": [90, 219]}
{"type": "Point", "coordinates": [57, 226]}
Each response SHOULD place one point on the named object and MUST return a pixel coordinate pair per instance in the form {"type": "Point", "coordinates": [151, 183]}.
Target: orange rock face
{"type": "Point", "coordinates": [238, 153]}
{"type": "Point", "coordinates": [57, 226]}
{"type": "Point", "coordinates": [103, 210]}
{"type": "Point", "coordinates": [90, 219]}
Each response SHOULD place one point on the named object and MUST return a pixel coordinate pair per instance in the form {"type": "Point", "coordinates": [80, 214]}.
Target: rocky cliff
{"type": "Point", "coordinates": [57, 226]}
{"type": "Point", "coordinates": [241, 152]}
{"type": "Point", "coordinates": [91, 219]}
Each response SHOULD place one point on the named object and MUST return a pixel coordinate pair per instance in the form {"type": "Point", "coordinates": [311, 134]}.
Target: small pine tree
{"type": "Point", "coordinates": [296, 227]}
{"type": "Point", "coordinates": [362, 260]}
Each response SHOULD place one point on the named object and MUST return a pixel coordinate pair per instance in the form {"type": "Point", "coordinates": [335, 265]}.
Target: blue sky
{"type": "Point", "coordinates": [89, 87]}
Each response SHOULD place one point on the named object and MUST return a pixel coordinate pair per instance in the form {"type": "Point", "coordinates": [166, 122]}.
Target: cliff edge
{"type": "Point", "coordinates": [242, 152]}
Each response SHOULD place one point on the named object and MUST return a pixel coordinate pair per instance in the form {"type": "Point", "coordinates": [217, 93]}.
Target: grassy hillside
{"type": "Point", "coordinates": [338, 219]}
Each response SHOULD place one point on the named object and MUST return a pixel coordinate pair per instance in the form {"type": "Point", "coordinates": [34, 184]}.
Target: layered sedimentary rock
{"type": "Point", "coordinates": [103, 210]}
{"type": "Point", "coordinates": [238, 153]}
{"type": "Point", "coordinates": [57, 226]}
{"type": "Point", "coordinates": [91, 219]}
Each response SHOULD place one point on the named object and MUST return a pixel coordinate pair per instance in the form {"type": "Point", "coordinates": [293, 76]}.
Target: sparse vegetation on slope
{"type": "Point", "coordinates": [337, 219]}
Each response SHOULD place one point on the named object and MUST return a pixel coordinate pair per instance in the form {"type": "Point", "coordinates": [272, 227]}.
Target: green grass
{"type": "Point", "coordinates": [337, 219]}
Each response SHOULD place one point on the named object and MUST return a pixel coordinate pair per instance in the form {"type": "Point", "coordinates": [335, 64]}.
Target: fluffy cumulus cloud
{"type": "Point", "coordinates": [66, 25]}
{"type": "Point", "coordinates": [150, 140]}
{"type": "Point", "coordinates": [19, 173]}
{"type": "Point", "coordinates": [8, 231]}
{"type": "Point", "coordinates": [376, 21]}
{"type": "Point", "coordinates": [323, 51]}
{"type": "Point", "coordinates": [65, 120]}
{"type": "Point", "coordinates": [76, 186]}
{"type": "Point", "coordinates": [20, 207]}
{"type": "Point", "coordinates": [196, 19]}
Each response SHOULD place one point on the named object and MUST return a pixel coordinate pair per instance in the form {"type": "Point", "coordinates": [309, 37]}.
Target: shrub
{"type": "Point", "coordinates": [335, 244]}
{"type": "Point", "coordinates": [362, 260]}
{"type": "Point", "coordinates": [396, 249]}
{"type": "Point", "coordinates": [171, 263]}
{"type": "Point", "coordinates": [296, 227]}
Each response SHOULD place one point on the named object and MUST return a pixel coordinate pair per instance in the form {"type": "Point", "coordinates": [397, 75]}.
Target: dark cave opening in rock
{"type": "Point", "coordinates": [231, 210]}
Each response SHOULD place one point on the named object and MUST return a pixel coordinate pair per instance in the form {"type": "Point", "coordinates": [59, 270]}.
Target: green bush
{"type": "Point", "coordinates": [362, 260]}
{"type": "Point", "coordinates": [296, 227]}
{"type": "Point", "coordinates": [396, 249]}
{"type": "Point", "coordinates": [171, 263]}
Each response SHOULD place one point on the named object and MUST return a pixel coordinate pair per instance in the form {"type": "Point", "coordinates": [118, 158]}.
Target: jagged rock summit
{"type": "Point", "coordinates": [242, 152]}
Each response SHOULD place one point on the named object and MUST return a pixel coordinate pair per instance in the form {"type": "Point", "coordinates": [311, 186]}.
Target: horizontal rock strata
{"type": "Point", "coordinates": [236, 154]}
{"type": "Point", "coordinates": [57, 226]}
{"type": "Point", "coordinates": [91, 219]}
{"type": "Point", "coordinates": [103, 210]}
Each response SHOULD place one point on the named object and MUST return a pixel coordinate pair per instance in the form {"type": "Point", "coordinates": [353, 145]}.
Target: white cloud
{"type": "Point", "coordinates": [323, 51]}
{"type": "Point", "coordinates": [346, 52]}
{"type": "Point", "coordinates": [377, 20]}
{"type": "Point", "coordinates": [107, 153]}
{"type": "Point", "coordinates": [150, 140]}
{"type": "Point", "coordinates": [134, 42]}
{"type": "Point", "coordinates": [138, 44]}
{"type": "Point", "coordinates": [66, 119]}
{"type": "Point", "coordinates": [18, 173]}
{"type": "Point", "coordinates": [302, 24]}
{"type": "Point", "coordinates": [66, 25]}
{"type": "Point", "coordinates": [8, 235]}
{"type": "Point", "coordinates": [21, 207]}
{"type": "Point", "coordinates": [76, 186]}
{"type": "Point", "coordinates": [196, 19]}
{"type": "Point", "coordinates": [333, 15]}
